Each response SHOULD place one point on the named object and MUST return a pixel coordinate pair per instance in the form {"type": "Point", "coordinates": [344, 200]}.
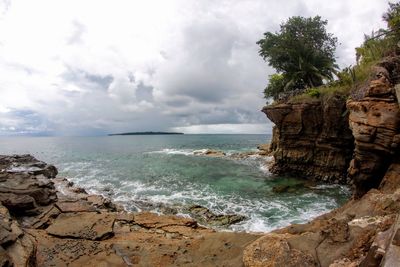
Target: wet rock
{"type": "Point", "coordinates": [101, 202]}
{"type": "Point", "coordinates": [210, 153]}
{"type": "Point", "coordinates": [287, 188]}
{"type": "Point", "coordinates": [83, 225]}
{"type": "Point", "coordinates": [207, 217]}
{"type": "Point", "coordinates": [264, 149]}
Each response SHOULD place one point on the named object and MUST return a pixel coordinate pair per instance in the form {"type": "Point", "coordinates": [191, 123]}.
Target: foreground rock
{"type": "Point", "coordinates": [46, 221]}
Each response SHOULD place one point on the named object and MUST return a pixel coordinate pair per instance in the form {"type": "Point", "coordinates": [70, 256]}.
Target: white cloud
{"type": "Point", "coordinates": [84, 67]}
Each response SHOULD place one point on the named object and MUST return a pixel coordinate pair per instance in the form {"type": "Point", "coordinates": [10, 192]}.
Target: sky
{"type": "Point", "coordinates": [95, 67]}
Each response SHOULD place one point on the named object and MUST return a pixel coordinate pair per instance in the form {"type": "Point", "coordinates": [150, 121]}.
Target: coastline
{"type": "Point", "coordinates": [74, 228]}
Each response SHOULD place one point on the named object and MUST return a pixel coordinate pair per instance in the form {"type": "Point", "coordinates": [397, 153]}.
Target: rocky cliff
{"type": "Point", "coordinates": [366, 230]}
{"type": "Point", "coordinates": [375, 122]}
{"type": "Point", "coordinates": [312, 139]}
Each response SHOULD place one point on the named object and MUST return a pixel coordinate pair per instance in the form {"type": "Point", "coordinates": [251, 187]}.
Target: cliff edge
{"type": "Point", "coordinates": [312, 139]}
{"type": "Point", "coordinates": [366, 230]}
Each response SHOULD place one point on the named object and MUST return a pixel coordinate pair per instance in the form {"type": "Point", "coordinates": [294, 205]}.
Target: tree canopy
{"type": "Point", "coordinates": [302, 52]}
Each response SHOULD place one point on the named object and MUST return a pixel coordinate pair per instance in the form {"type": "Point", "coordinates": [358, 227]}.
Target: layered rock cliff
{"type": "Point", "coordinates": [366, 230]}
{"type": "Point", "coordinates": [375, 122]}
{"type": "Point", "coordinates": [312, 139]}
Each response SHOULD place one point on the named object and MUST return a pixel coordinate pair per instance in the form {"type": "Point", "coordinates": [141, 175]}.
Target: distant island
{"type": "Point", "coordinates": [145, 133]}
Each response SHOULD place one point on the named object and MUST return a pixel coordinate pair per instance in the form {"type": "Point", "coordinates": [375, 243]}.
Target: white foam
{"type": "Point", "coordinates": [171, 190]}
{"type": "Point", "coordinates": [172, 151]}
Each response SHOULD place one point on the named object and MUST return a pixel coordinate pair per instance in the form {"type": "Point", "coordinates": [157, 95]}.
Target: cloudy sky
{"type": "Point", "coordinates": [94, 67]}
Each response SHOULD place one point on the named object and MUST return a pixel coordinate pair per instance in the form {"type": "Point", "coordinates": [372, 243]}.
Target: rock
{"type": "Point", "coordinates": [22, 252]}
{"type": "Point", "coordinates": [19, 204]}
{"type": "Point", "coordinates": [210, 153]}
{"type": "Point", "coordinates": [152, 220]}
{"type": "Point", "coordinates": [207, 217]}
{"type": "Point", "coordinates": [75, 206]}
{"type": "Point", "coordinates": [287, 188]}
{"type": "Point", "coordinates": [25, 184]}
{"type": "Point", "coordinates": [83, 225]}
{"type": "Point", "coordinates": [311, 139]}
{"type": "Point", "coordinates": [5, 260]}
{"type": "Point", "coordinates": [53, 251]}
{"type": "Point", "coordinates": [375, 122]}
{"type": "Point", "coordinates": [101, 202]}
{"type": "Point", "coordinates": [273, 250]}
{"type": "Point", "coordinates": [264, 149]}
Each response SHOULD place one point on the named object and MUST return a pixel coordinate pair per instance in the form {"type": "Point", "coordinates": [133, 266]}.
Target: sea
{"type": "Point", "coordinates": [165, 170]}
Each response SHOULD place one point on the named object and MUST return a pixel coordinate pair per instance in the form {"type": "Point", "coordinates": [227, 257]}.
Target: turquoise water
{"type": "Point", "coordinates": [163, 169]}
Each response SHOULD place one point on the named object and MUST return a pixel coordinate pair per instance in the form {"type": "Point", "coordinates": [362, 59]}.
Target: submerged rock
{"type": "Point", "coordinates": [209, 153]}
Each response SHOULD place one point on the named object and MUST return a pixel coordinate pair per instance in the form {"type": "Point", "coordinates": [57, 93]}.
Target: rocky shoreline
{"type": "Point", "coordinates": [46, 221]}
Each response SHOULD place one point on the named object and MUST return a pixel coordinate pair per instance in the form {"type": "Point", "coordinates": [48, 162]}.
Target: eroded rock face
{"type": "Point", "coordinates": [25, 184]}
{"type": "Point", "coordinates": [311, 139]}
{"type": "Point", "coordinates": [365, 231]}
{"type": "Point", "coordinates": [375, 123]}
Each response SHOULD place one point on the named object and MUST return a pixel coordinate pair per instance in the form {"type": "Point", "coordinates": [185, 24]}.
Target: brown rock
{"type": "Point", "coordinates": [274, 250]}
{"type": "Point", "coordinates": [83, 225]}
{"type": "Point", "coordinates": [75, 206]}
{"type": "Point", "coordinates": [152, 220]}
{"type": "Point", "coordinates": [22, 252]}
{"type": "Point", "coordinates": [5, 260]}
{"type": "Point", "coordinates": [311, 139]}
{"type": "Point", "coordinates": [375, 123]}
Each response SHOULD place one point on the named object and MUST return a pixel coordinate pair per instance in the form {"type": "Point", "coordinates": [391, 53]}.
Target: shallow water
{"type": "Point", "coordinates": [163, 169]}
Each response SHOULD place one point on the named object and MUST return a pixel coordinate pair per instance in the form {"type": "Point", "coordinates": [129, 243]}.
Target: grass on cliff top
{"type": "Point", "coordinates": [321, 93]}
{"type": "Point", "coordinates": [350, 79]}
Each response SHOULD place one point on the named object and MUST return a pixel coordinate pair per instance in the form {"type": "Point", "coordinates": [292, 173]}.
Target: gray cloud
{"type": "Point", "coordinates": [187, 65]}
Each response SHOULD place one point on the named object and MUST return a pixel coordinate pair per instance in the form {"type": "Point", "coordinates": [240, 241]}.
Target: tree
{"type": "Point", "coordinates": [275, 85]}
{"type": "Point", "coordinates": [302, 52]}
{"type": "Point", "coordinates": [392, 18]}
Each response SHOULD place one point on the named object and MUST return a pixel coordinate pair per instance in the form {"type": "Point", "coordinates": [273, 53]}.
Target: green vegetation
{"type": "Point", "coordinates": [280, 50]}
{"type": "Point", "coordinates": [302, 52]}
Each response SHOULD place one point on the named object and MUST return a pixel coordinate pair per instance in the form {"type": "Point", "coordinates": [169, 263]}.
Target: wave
{"type": "Point", "coordinates": [170, 188]}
